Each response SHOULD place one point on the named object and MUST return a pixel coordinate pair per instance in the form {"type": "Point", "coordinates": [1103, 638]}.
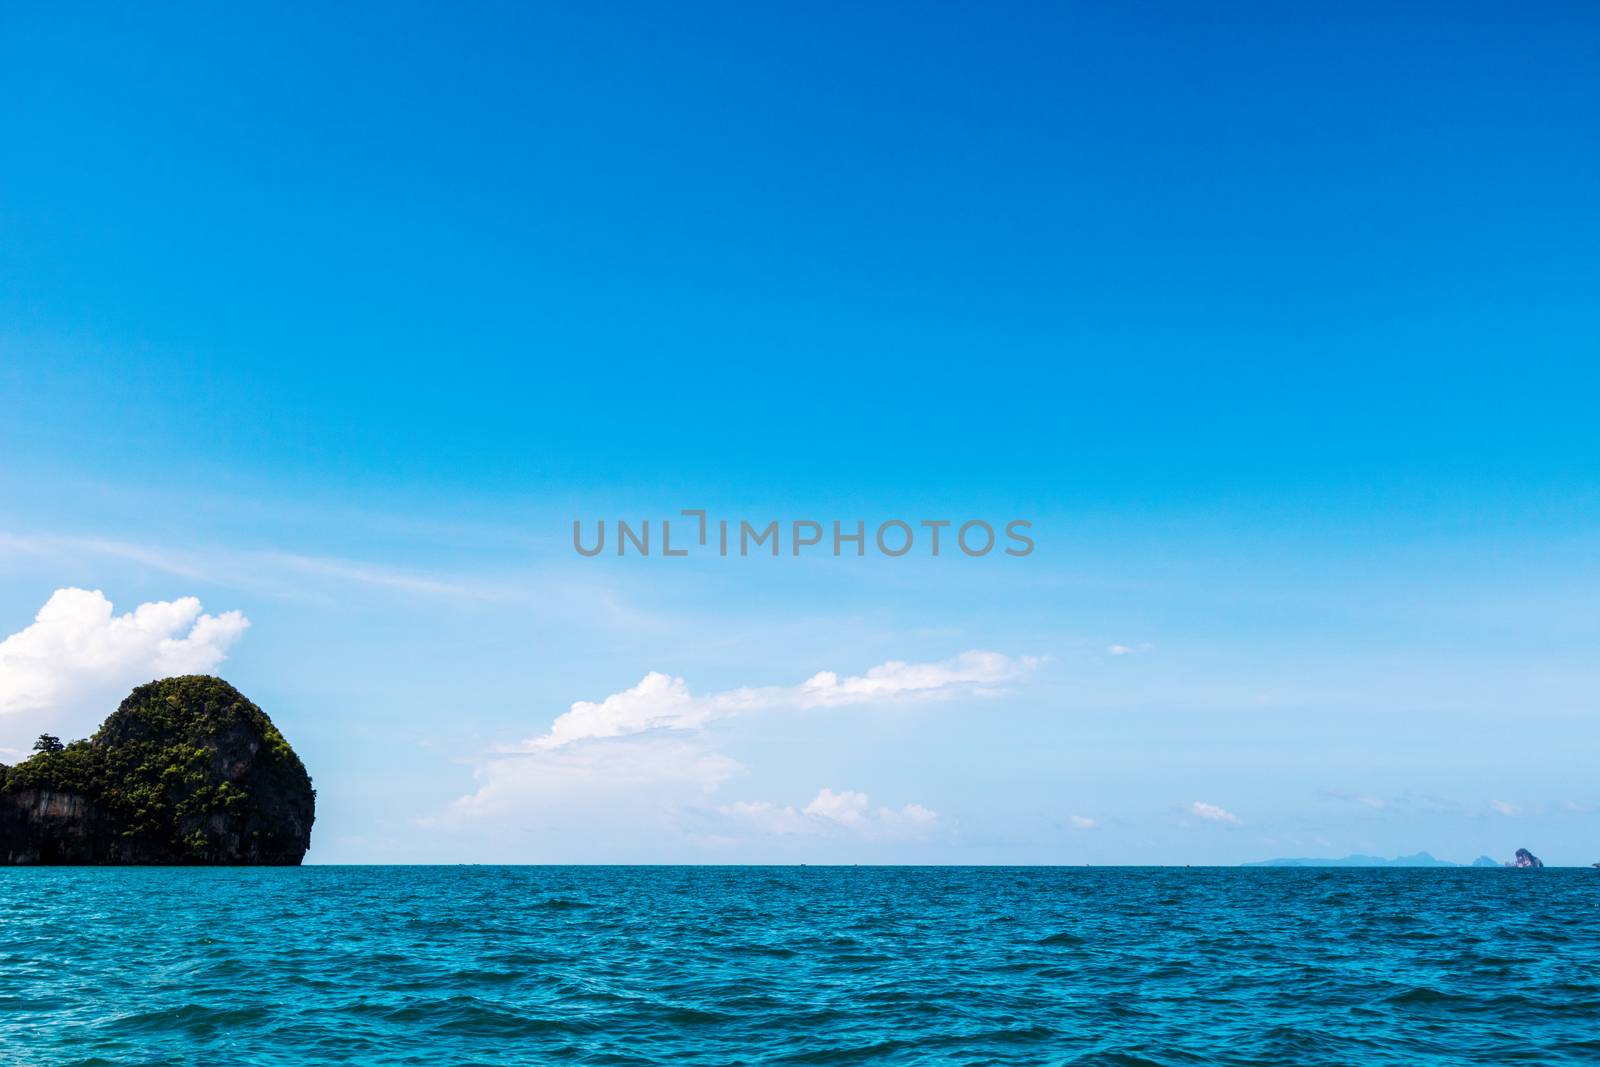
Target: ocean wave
{"type": "Point", "coordinates": [395, 966]}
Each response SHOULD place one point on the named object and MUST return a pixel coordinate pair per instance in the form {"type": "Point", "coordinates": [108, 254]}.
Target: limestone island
{"type": "Point", "coordinates": [186, 771]}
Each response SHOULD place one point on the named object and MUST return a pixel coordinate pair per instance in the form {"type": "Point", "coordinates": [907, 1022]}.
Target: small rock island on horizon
{"type": "Point", "coordinates": [186, 772]}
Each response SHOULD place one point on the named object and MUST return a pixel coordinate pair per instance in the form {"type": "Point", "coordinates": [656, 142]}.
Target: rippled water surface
{"type": "Point", "coordinates": [718, 965]}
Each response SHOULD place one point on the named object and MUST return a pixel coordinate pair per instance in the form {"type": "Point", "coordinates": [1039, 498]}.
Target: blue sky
{"type": "Point", "coordinates": [1278, 325]}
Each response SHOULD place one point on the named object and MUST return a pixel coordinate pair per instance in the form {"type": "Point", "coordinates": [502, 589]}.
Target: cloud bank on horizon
{"type": "Point", "coordinates": [830, 812]}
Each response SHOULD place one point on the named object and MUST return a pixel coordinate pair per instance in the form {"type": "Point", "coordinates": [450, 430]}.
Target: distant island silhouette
{"type": "Point", "coordinates": [186, 771]}
{"type": "Point", "coordinates": [1523, 858]}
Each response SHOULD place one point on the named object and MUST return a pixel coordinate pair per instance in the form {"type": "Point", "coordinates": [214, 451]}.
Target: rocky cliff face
{"type": "Point", "coordinates": [185, 771]}
{"type": "Point", "coordinates": [1525, 858]}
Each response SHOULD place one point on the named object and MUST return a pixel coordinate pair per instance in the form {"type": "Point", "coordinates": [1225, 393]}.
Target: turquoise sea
{"type": "Point", "coordinates": [798, 965]}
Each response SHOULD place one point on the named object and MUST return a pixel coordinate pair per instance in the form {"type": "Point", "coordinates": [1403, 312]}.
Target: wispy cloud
{"type": "Point", "coordinates": [345, 570]}
{"type": "Point", "coordinates": [261, 570]}
{"type": "Point", "coordinates": [1365, 800]}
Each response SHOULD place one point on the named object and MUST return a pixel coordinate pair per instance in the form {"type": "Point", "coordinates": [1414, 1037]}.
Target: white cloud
{"type": "Point", "coordinates": [1120, 650]}
{"type": "Point", "coordinates": [1083, 822]}
{"type": "Point", "coordinates": [846, 811]}
{"type": "Point", "coordinates": [847, 808]}
{"type": "Point", "coordinates": [1212, 813]}
{"type": "Point", "coordinates": [664, 702]}
{"type": "Point", "coordinates": [911, 818]}
{"type": "Point", "coordinates": [657, 702]}
{"type": "Point", "coordinates": [770, 818]}
{"type": "Point", "coordinates": [651, 792]}
{"type": "Point", "coordinates": [1511, 811]}
{"type": "Point", "coordinates": [78, 648]}
{"type": "Point", "coordinates": [595, 783]}
{"type": "Point", "coordinates": [639, 764]}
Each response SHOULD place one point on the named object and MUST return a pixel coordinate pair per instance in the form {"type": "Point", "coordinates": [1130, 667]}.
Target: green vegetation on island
{"type": "Point", "coordinates": [185, 771]}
